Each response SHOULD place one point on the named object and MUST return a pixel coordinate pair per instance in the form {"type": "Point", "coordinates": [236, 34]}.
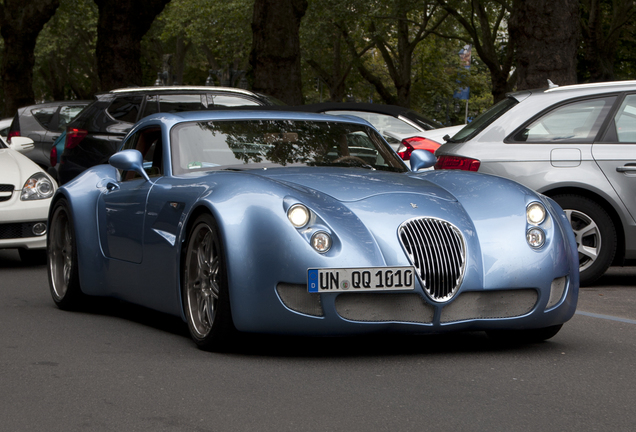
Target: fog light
{"type": "Point", "coordinates": [535, 237]}
{"type": "Point", "coordinates": [321, 241]}
{"type": "Point", "coordinates": [39, 229]}
{"type": "Point", "coordinates": [298, 215]}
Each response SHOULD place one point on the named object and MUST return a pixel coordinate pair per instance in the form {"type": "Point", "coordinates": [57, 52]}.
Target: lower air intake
{"type": "Point", "coordinates": [393, 307]}
{"type": "Point", "coordinates": [296, 298]}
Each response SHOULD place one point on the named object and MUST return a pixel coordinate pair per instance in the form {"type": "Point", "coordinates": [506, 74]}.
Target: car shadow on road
{"type": "Point", "coordinates": [617, 277]}
{"type": "Point", "coordinates": [379, 344]}
{"type": "Point", "coordinates": [9, 258]}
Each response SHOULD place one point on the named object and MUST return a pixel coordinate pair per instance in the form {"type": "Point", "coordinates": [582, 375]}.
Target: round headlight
{"type": "Point", "coordinates": [298, 215]}
{"type": "Point", "coordinates": [38, 186]}
{"type": "Point", "coordinates": [535, 213]}
{"type": "Point", "coordinates": [321, 241]}
{"type": "Point", "coordinates": [535, 237]}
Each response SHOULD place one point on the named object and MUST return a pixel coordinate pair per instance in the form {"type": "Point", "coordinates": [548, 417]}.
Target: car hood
{"type": "Point", "coordinates": [347, 185]}
{"type": "Point", "coordinates": [15, 168]}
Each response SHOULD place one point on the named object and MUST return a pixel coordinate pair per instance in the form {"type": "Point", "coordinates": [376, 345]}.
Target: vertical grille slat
{"type": "Point", "coordinates": [436, 248]}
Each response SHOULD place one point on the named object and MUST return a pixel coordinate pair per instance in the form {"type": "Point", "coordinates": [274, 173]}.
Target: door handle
{"type": "Point", "coordinates": [626, 169]}
{"type": "Point", "coordinates": [112, 186]}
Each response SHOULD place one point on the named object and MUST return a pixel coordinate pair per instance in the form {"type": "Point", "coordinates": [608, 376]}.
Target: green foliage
{"type": "Point", "coordinates": [199, 35]}
{"type": "Point", "coordinates": [338, 39]}
{"type": "Point", "coordinates": [65, 66]}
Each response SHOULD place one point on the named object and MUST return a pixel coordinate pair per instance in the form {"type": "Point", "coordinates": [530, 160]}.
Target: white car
{"type": "Point", "coordinates": [25, 196]}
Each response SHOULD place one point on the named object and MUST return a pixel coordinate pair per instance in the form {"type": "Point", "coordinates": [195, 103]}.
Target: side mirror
{"type": "Point", "coordinates": [21, 144]}
{"type": "Point", "coordinates": [421, 159]}
{"type": "Point", "coordinates": [129, 160]}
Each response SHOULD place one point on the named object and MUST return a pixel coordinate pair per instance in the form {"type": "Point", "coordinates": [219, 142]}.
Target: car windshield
{"type": "Point", "coordinates": [254, 144]}
{"type": "Point", "coordinates": [483, 120]}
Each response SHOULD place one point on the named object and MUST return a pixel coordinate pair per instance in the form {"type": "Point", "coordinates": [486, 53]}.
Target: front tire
{"type": "Point", "coordinates": [62, 259]}
{"type": "Point", "coordinates": [205, 288]}
{"type": "Point", "coordinates": [595, 235]}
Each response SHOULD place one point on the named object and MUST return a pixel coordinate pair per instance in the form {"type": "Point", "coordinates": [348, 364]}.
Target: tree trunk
{"type": "Point", "coordinates": [120, 27]}
{"type": "Point", "coordinates": [603, 26]}
{"type": "Point", "coordinates": [275, 55]}
{"type": "Point", "coordinates": [546, 35]}
{"type": "Point", "coordinates": [20, 24]}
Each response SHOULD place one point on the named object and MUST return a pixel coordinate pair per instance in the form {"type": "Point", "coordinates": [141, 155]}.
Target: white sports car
{"type": "Point", "coordinates": [25, 196]}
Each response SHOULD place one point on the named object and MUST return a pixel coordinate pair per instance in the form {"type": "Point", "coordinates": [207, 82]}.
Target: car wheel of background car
{"type": "Point", "coordinates": [524, 336]}
{"type": "Point", "coordinates": [595, 235]}
{"type": "Point", "coordinates": [32, 256]}
{"type": "Point", "coordinates": [62, 263]}
{"type": "Point", "coordinates": [205, 290]}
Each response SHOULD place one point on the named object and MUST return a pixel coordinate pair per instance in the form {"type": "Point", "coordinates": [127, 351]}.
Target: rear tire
{"type": "Point", "coordinates": [205, 288]}
{"type": "Point", "coordinates": [62, 259]}
{"type": "Point", "coordinates": [595, 235]}
{"type": "Point", "coordinates": [524, 336]}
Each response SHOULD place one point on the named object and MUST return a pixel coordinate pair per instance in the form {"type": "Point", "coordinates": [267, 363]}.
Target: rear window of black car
{"type": "Point", "coordinates": [125, 108]}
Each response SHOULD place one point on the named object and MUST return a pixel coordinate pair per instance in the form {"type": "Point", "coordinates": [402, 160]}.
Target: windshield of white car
{"type": "Point", "coordinates": [482, 121]}
{"type": "Point", "coordinates": [257, 144]}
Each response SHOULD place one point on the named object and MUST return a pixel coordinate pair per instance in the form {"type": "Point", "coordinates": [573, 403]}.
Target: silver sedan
{"type": "Point", "coordinates": [576, 144]}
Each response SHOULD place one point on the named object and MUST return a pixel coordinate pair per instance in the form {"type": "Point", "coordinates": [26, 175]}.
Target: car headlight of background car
{"type": "Point", "coordinates": [535, 215]}
{"type": "Point", "coordinates": [38, 186]}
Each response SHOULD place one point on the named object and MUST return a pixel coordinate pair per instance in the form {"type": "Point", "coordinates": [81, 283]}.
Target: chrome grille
{"type": "Point", "coordinates": [437, 250]}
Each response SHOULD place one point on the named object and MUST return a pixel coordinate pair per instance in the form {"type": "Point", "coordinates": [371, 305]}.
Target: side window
{"type": "Point", "coordinates": [44, 116]}
{"type": "Point", "coordinates": [125, 108]}
{"type": "Point", "coordinates": [149, 143]}
{"type": "Point", "coordinates": [576, 122]}
{"type": "Point", "coordinates": [179, 103]}
{"type": "Point", "coordinates": [67, 113]}
{"type": "Point", "coordinates": [230, 101]}
{"type": "Point", "coordinates": [625, 120]}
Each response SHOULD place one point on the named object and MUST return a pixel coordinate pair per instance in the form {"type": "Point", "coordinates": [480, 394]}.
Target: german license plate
{"type": "Point", "coordinates": [360, 279]}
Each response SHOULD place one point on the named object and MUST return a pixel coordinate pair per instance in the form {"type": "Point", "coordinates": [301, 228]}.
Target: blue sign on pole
{"type": "Point", "coordinates": [465, 55]}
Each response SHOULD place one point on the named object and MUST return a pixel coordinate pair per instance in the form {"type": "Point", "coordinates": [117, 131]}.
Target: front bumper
{"type": "Point", "coordinates": [17, 221]}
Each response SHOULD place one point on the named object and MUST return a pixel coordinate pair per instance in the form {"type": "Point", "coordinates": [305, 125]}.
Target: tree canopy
{"type": "Point", "coordinates": [403, 52]}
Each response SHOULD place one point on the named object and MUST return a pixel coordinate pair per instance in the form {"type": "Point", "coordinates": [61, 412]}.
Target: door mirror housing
{"type": "Point", "coordinates": [21, 144]}
{"type": "Point", "coordinates": [421, 159]}
{"type": "Point", "coordinates": [129, 160]}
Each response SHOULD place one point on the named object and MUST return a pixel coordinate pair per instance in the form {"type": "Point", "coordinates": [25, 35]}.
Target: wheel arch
{"type": "Point", "coordinates": [607, 206]}
{"type": "Point", "coordinates": [196, 211]}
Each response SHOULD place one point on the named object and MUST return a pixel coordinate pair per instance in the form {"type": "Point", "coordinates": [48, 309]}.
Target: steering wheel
{"type": "Point", "coordinates": [351, 158]}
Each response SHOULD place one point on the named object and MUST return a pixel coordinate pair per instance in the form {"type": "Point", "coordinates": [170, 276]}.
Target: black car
{"type": "Point", "coordinates": [44, 123]}
{"type": "Point", "coordinates": [99, 130]}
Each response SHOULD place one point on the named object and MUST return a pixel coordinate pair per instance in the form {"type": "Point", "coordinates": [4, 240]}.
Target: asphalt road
{"type": "Point", "coordinates": [119, 368]}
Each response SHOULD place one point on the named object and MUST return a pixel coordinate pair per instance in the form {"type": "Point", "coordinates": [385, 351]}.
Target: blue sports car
{"type": "Point", "coordinates": [293, 223]}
